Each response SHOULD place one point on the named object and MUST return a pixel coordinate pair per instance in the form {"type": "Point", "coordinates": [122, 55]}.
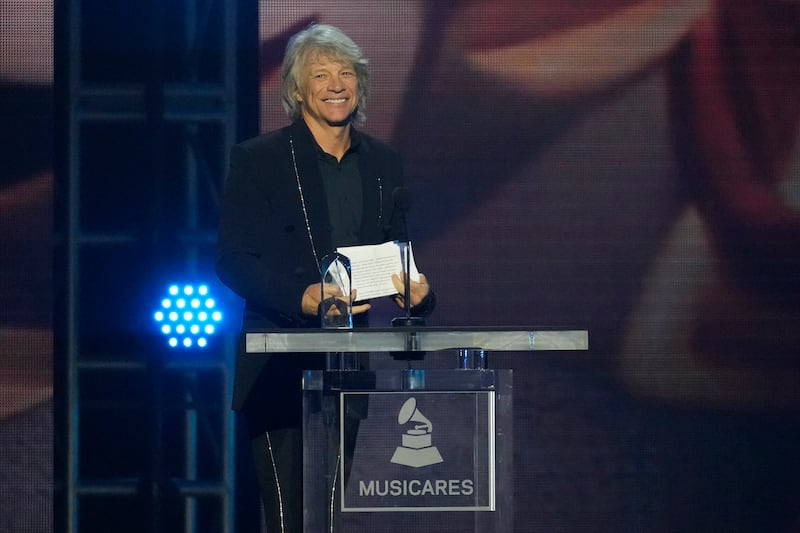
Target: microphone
{"type": "Point", "coordinates": [402, 203]}
{"type": "Point", "coordinates": [402, 199]}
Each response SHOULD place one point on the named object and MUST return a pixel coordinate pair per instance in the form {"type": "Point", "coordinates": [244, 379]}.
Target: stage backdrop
{"type": "Point", "coordinates": [625, 166]}
{"type": "Point", "coordinates": [26, 288]}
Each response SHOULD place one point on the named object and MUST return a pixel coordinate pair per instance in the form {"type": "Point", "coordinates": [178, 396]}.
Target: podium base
{"type": "Point", "coordinates": [408, 322]}
{"type": "Point", "coordinates": [372, 464]}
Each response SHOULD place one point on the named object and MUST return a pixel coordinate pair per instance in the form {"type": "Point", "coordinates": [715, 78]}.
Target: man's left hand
{"type": "Point", "coordinates": [419, 289]}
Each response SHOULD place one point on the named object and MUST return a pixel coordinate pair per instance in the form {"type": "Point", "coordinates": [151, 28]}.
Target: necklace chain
{"type": "Point", "coordinates": [303, 203]}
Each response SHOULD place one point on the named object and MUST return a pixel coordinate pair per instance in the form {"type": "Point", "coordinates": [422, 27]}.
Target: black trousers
{"type": "Point", "coordinates": [278, 453]}
{"type": "Point", "coordinates": [278, 458]}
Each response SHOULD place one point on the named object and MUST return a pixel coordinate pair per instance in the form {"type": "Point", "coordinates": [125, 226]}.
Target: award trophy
{"type": "Point", "coordinates": [336, 311]}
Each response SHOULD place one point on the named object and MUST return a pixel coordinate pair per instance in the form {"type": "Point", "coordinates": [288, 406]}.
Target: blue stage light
{"type": "Point", "coordinates": [197, 319]}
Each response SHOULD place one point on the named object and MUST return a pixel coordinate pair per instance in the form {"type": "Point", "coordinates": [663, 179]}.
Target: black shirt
{"type": "Point", "coordinates": [342, 181]}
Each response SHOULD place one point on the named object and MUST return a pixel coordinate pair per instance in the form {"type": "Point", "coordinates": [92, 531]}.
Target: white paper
{"type": "Point", "coordinates": [372, 266]}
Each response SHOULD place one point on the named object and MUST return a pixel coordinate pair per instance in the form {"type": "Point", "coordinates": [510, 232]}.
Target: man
{"type": "Point", "coordinates": [293, 196]}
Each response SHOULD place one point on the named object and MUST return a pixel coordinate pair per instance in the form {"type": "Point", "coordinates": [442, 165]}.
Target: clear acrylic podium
{"type": "Point", "coordinates": [411, 450]}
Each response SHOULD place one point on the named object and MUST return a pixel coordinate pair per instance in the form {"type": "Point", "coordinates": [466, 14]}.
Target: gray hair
{"type": "Point", "coordinates": [331, 42]}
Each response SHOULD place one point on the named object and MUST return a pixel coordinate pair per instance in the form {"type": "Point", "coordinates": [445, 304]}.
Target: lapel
{"type": "Point", "coordinates": [313, 189]}
{"type": "Point", "coordinates": [372, 194]}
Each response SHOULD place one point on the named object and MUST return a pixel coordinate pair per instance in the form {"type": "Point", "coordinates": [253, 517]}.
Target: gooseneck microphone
{"type": "Point", "coordinates": [402, 203]}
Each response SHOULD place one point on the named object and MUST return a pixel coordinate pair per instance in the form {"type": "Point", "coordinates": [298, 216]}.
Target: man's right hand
{"type": "Point", "coordinates": [312, 297]}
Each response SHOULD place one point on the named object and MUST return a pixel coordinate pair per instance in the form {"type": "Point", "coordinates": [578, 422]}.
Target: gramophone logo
{"type": "Point", "coordinates": [416, 449]}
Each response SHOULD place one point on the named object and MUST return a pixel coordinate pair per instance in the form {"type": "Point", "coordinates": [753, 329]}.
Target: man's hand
{"type": "Point", "coordinates": [312, 297]}
{"type": "Point", "coordinates": [419, 289]}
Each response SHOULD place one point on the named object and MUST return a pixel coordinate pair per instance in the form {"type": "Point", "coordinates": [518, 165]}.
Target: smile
{"type": "Point", "coordinates": [336, 100]}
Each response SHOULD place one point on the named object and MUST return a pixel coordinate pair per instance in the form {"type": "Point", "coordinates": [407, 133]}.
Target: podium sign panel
{"type": "Point", "coordinates": [405, 462]}
{"type": "Point", "coordinates": [411, 450]}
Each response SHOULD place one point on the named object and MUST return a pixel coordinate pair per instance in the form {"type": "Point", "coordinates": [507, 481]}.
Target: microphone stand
{"type": "Point", "coordinates": [402, 200]}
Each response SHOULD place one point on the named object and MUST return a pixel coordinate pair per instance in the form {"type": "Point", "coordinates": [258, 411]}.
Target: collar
{"type": "Point", "coordinates": [355, 138]}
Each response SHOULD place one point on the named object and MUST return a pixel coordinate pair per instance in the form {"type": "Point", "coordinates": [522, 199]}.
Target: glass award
{"type": "Point", "coordinates": [336, 308]}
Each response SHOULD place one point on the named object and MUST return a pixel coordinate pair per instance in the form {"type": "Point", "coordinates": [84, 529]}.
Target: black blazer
{"type": "Point", "coordinates": [264, 253]}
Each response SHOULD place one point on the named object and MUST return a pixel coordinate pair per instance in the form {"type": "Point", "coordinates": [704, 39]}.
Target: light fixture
{"type": "Point", "coordinates": [187, 316]}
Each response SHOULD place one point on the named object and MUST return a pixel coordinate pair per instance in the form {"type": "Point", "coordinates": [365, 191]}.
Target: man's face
{"type": "Point", "coordinates": [328, 90]}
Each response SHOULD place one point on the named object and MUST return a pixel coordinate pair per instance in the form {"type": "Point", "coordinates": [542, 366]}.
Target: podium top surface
{"type": "Point", "coordinates": [404, 339]}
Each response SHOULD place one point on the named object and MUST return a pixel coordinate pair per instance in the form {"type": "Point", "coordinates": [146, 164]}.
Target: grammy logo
{"type": "Point", "coordinates": [416, 449]}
